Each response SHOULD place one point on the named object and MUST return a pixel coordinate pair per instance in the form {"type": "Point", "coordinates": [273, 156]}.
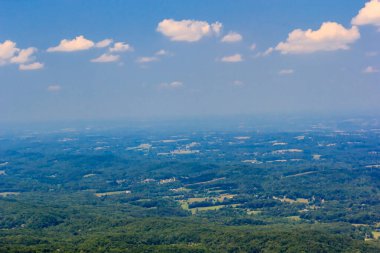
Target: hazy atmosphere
{"type": "Point", "coordinates": [69, 60]}
{"type": "Point", "coordinates": [190, 126]}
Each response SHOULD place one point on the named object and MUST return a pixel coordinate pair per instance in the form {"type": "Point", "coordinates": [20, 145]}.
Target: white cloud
{"type": "Point", "coordinates": [31, 66]}
{"type": "Point", "coordinates": [216, 28]}
{"type": "Point", "coordinates": [232, 37]}
{"type": "Point", "coordinates": [330, 36]}
{"type": "Point", "coordinates": [10, 54]}
{"type": "Point", "coordinates": [237, 83]}
{"type": "Point", "coordinates": [265, 53]}
{"type": "Point", "coordinates": [54, 88]}
{"type": "Point", "coordinates": [103, 43]}
{"type": "Point", "coordinates": [370, 70]}
{"type": "Point", "coordinates": [268, 51]}
{"type": "Point", "coordinates": [162, 52]}
{"type": "Point", "coordinates": [286, 72]}
{"type": "Point", "coordinates": [121, 47]}
{"type": "Point", "coordinates": [78, 44]}
{"type": "Point", "coordinates": [369, 14]}
{"type": "Point", "coordinates": [171, 85]}
{"type": "Point", "coordinates": [24, 55]}
{"type": "Point", "coordinates": [158, 55]}
{"type": "Point", "coordinates": [188, 30]}
{"type": "Point", "coordinates": [252, 47]}
{"type": "Point", "coordinates": [147, 59]}
{"type": "Point", "coordinates": [8, 50]}
{"type": "Point", "coordinates": [232, 58]}
{"type": "Point", "coordinates": [106, 58]}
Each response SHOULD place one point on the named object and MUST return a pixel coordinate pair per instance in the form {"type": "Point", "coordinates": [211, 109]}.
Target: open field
{"type": "Point", "coordinates": [376, 235]}
{"type": "Point", "coordinates": [5, 194]}
{"type": "Point", "coordinates": [207, 182]}
{"type": "Point", "coordinates": [288, 200]}
{"type": "Point", "coordinates": [102, 194]}
{"type": "Point", "coordinates": [303, 174]}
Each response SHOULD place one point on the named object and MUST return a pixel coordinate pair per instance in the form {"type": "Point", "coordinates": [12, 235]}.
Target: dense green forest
{"type": "Point", "coordinates": [316, 190]}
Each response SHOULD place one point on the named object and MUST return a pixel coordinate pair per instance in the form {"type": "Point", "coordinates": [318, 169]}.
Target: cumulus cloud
{"type": "Point", "coordinates": [24, 55]}
{"type": "Point", "coordinates": [187, 30]}
{"type": "Point", "coordinates": [10, 54]}
{"type": "Point", "coordinates": [121, 47]}
{"type": "Point", "coordinates": [286, 71]}
{"type": "Point", "coordinates": [369, 14]}
{"type": "Point", "coordinates": [8, 50]}
{"type": "Point", "coordinates": [106, 58]}
{"type": "Point", "coordinates": [103, 43]}
{"type": "Point", "coordinates": [77, 44]}
{"type": "Point", "coordinates": [147, 59]}
{"type": "Point", "coordinates": [171, 85]}
{"type": "Point", "coordinates": [330, 36]}
{"type": "Point", "coordinates": [370, 70]}
{"type": "Point", "coordinates": [232, 58]}
{"type": "Point", "coordinates": [232, 37]}
{"type": "Point", "coordinates": [31, 66]}
{"type": "Point", "coordinates": [54, 88]}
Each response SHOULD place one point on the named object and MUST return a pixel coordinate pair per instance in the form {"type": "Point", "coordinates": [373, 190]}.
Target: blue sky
{"type": "Point", "coordinates": [187, 58]}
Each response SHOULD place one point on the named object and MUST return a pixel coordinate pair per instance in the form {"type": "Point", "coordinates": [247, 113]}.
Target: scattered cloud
{"type": "Point", "coordinates": [162, 52]}
{"type": "Point", "coordinates": [54, 88]}
{"type": "Point", "coordinates": [286, 71]}
{"type": "Point", "coordinates": [106, 58]}
{"type": "Point", "coordinates": [268, 51]}
{"type": "Point", "coordinates": [103, 43]}
{"type": "Point", "coordinates": [8, 50]}
{"type": "Point", "coordinates": [265, 53]}
{"type": "Point", "coordinates": [31, 66]}
{"type": "Point", "coordinates": [370, 70]}
{"type": "Point", "coordinates": [232, 37]}
{"type": "Point", "coordinates": [10, 54]}
{"type": "Point", "coordinates": [232, 58]}
{"type": "Point", "coordinates": [252, 47]}
{"type": "Point", "coordinates": [368, 15]}
{"type": "Point", "coordinates": [171, 85]}
{"type": "Point", "coordinates": [372, 54]}
{"type": "Point", "coordinates": [24, 55]}
{"type": "Point", "coordinates": [121, 47]}
{"type": "Point", "coordinates": [77, 44]}
{"type": "Point", "coordinates": [158, 55]}
{"type": "Point", "coordinates": [238, 83]}
{"type": "Point", "coordinates": [187, 30]}
{"type": "Point", "coordinates": [147, 59]}
{"type": "Point", "coordinates": [330, 36]}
